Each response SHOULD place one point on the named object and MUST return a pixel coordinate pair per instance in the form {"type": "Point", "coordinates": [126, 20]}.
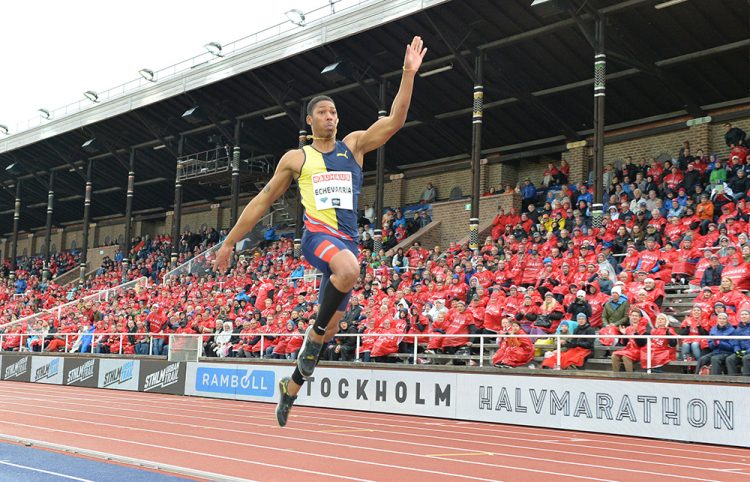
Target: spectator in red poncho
{"type": "Point", "coordinates": [387, 343]}
{"type": "Point", "coordinates": [514, 351]}
{"type": "Point", "coordinates": [457, 322]}
{"type": "Point", "coordinates": [574, 351]}
{"type": "Point", "coordinates": [369, 333]}
{"type": "Point", "coordinates": [662, 349]}
{"type": "Point", "coordinates": [627, 356]}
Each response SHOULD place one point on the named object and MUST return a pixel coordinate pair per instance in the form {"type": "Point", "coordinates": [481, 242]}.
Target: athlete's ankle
{"type": "Point", "coordinates": [316, 338]}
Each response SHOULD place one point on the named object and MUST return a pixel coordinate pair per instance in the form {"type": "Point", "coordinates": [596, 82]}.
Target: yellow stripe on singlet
{"type": "Point", "coordinates": [314, 164]}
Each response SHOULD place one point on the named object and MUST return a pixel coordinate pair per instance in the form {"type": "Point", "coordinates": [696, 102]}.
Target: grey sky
{"type": "Point", "coordinates": [53, 51]}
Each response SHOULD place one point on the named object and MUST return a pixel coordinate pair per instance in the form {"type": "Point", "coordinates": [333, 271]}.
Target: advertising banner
{"type": "Point", "coordinates": [118, 374]}
{"type": "Point", "coordinates": [17, 368]}
{"type": "Point", "coordinates": [81, 372]}
{"type": "Point", "coordinates": [392, 391]}
{"type": "Point", "coordinates": [708, 413]}
{"type": "Point", "coordinates": [235, 381]}
{"type": "Point", "coordinates": [162, 377]}
{"type": "Point", "coordinates": [47, 369]}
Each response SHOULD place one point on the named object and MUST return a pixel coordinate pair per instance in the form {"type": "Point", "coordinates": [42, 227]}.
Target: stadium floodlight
{"type": "Point", "coordinates": [90, 146]}
{"type": "Point", "coordinates": [274, 116]}
{"type": "Point", "coordinates": [214, 48]}
{"type": "Point", "coordinates": [193, 115]}
{"type": "Point", "coordinates": [4, 129]}
{"type": "Point", "coordinates": [44, 113]}
{"type": "Point", "coordinates": [444, 68]}
{"type": "Point", "coordinates": [296, 16]}
{"type": "Point", "coordinates": [148, 74]}
{"type": "Point", "coordinates": [669, 3]}
{"type": "Point", "coordinates": [11, 167]}
{"type": "Point", "coordinates": [92, 96]}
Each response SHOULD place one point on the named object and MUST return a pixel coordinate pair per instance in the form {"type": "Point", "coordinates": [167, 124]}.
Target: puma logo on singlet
{"type": "Point", "coordinates": [343, 154]}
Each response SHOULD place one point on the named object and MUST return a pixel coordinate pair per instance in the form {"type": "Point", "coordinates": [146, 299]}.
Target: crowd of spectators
{"type": "Point", "coordinates": [553, 267]}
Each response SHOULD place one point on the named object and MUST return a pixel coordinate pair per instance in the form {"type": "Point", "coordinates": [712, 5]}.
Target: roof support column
{"type": "Point", "coordinates": [86, 224]}
{"type": "Point", "coordinates": [380, 179]}
{"type": "Point", "coordinates": [235, 208]}
{"type": "Point", "coordinates": [301, 141]}
{"type": "Point", "coordinates": [48, 227]}
{"type": "Point", "coordinates": [177, 215]}
{"type": "Point", "coordinates": [14, 240]}
{"type": "Point", "coordinates": [600, 72]}
{"type": "Point", "coordinates": [476, 152]}
{"type": "Point", "coordinates": [128, 245]}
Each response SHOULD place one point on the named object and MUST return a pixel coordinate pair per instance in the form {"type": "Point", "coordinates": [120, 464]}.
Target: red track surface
{"type": "Point", "coordinates": [242, 439]}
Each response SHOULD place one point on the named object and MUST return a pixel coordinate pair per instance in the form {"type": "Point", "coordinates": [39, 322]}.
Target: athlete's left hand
{"type": "Point", "coordinates": [414, 54]}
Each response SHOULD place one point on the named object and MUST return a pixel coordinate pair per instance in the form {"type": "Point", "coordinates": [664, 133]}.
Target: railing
{"type": "Point", "coordinates": [407, 337]}
{"type": "Point", "coordinates": [186, 66]}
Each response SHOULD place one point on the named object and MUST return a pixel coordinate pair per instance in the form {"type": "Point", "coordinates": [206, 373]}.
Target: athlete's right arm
{"type": "Point", "coordinates": [288, 168]}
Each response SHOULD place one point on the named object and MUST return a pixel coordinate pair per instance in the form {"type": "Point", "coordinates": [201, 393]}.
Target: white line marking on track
{"type": "Point", "coordinates": [570, 450]}
{"type": "Point", "coordinates": [204, 454]}
{"type": "Point", "coordinates": [48, 472]}
{"type": "Point", "coordinates": [137, 463]}
{"type": "Point", "coordinates": [405, 422]}
{"type": "Point", "coordinates": [620, 469]}
{"type": "Point", "coordinates": [492, 428]}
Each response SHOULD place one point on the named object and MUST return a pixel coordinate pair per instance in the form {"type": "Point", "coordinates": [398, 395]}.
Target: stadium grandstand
{"type": "Point", "coordinates": [569, 198]}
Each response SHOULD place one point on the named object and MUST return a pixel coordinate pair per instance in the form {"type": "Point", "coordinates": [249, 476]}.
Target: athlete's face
{"type": "Point", "coordinates": [324, 119]}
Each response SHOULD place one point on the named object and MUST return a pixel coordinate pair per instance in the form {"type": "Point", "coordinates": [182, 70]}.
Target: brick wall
{"type": "Point", "coordinates": [454, 217]}
{"type": "Point", "coordinates": [113, 231]}
{"type": "Point", "coordinates": [533, 170]}
{"type": "Point", "coordinates": [443, 182]}
{"type": "Point", "coordinates": [500, 174]}
{"type": "Point", "coordinates": [194, 220]}
{"type": "Point", "coordinates": [72, 235]}
{"type": "Point", "coordinates": [648, 147]}
{"type": "Point", "coordinates": [24, 243]}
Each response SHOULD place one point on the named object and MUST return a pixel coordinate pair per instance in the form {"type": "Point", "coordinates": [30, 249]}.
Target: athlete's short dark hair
{"type": "Point", "coordinates": [314, 101]}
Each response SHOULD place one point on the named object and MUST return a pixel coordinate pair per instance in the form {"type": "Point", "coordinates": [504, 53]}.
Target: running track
{"type": "Point", "coordinates": [231, 440]}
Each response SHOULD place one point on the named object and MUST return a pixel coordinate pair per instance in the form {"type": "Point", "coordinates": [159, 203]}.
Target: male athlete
{"type": "Point", "coordinates": [329, 174]}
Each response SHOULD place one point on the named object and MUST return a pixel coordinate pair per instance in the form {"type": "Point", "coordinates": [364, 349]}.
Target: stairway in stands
{"type": "Point", "coordinates": [284, 209]}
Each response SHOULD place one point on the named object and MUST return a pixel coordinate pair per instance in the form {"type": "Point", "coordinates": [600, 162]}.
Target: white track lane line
{"type": "Point", "coordinates": [229, 442]}
{"type": "Point", "coordinates": [619, 469]}
{"type": "Point", "coordinates": [401, 419]}
{"type": "Point", "coordinates": [174, 449]}
{"type": "Point", "coordinates": [171, 470]}
{"type": "Point", "coordinates": [568, 446]}
{"type": "Point", "coordinates": [48, 472]}
{"type": "Point", "coordinates": [368, 437]}
{"type": "Point", "coordinates": [478, 426]}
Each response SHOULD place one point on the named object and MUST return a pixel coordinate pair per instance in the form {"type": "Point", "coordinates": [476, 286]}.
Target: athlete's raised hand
{"type": "Point", "coordinates": [414, 54]}
{"type": "Point", "coordinates": [222, 258]}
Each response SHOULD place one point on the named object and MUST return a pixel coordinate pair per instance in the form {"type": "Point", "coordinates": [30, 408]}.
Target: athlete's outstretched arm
{"type": "Point", "coordinates": [378, 134]}
{"type": "Point", "coordinates": [257, 207]}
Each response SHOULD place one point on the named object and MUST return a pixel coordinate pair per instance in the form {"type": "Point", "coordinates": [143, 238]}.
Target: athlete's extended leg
{"type": "Point", "coordinates": [345, 271]}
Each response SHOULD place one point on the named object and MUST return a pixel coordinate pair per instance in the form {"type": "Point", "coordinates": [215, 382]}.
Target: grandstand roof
{"type": "Point", "coordinates": [538, 76]}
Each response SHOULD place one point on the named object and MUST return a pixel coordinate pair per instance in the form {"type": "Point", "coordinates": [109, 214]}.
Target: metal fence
{"type": "Point", "coordinates": [487, 342]}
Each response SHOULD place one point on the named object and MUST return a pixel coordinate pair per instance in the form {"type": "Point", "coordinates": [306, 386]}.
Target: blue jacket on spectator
{"type": "Point", "coordinates": [528, 191]}
{"type": "Point", "coordinates": [20, 286]}
{"type": "Point", "coordinates": [586, 197]}
{"type": "Point", "coordinates": [724, 346]}
{"type": "Point", "coordinates": [741, 330]}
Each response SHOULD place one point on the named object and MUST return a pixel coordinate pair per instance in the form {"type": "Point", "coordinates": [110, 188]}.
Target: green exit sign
{"type": "Point", "coordinates": [468, 207]}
